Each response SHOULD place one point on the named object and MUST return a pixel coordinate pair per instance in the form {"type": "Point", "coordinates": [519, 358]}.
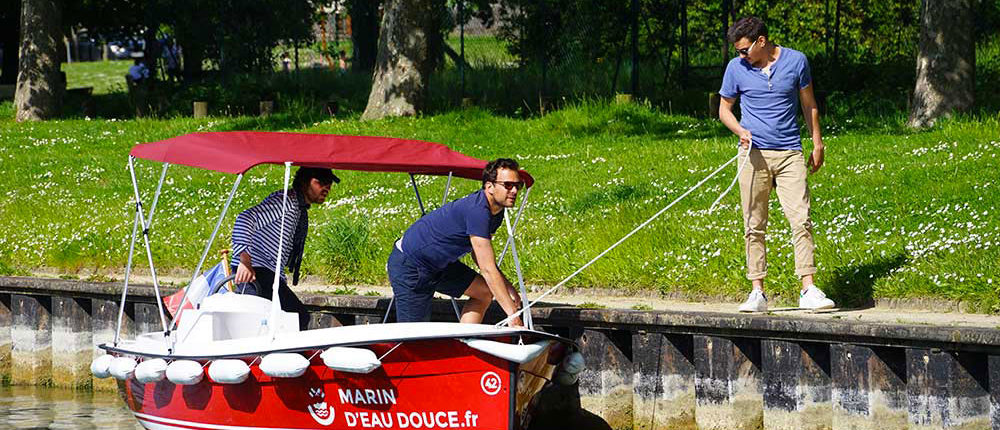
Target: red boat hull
{"type": "Point", "coordinates": [428, 384]}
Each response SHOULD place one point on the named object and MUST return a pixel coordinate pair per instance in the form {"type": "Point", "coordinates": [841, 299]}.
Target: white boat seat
{"type": "Point", "coordinates": [236, 302]}
{"type": "Point", "coordinates": [232, 316]}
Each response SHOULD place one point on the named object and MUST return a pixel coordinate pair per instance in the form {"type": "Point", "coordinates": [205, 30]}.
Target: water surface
{"type": "Point", "coordinates": [56, 408]}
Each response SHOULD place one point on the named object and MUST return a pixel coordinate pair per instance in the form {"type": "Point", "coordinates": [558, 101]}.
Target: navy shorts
{"type": "Point", "coordinates": [413, 286]}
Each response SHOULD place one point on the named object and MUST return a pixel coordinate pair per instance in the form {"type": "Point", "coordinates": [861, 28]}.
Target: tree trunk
{"type": "Point", "coordinates": [399, 87]}
{"type": "Point", "coordinates": [192, 57]}
{"type": "Point", "coordinates": [946, 62]}
{"type": "Point", "coordinates": [193, 31]}
{"type": "Point", "coordinates": [10, 31]}
{"type": "Point", "coordinates": [152, 53]}
{"type": "Point", "coordinates": [39, 80]}
{"type": "Point", "coordinates": [727, 6]}
{"type": "Point", "coordinates": [364, 34]}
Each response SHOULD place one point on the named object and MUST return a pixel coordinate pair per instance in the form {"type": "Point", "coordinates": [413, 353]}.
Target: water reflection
{"type": "Point", "coordinates": [54, 408]}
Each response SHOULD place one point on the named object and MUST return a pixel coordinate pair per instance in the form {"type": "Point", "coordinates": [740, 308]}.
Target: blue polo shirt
{"type": "Point", "coordinates": [769, 104]}
{"type": "Point", "coordinates": [442, 236]}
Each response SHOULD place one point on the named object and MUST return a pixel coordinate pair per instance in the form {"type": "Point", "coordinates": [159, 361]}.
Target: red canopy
{"type": "Point", "coordinates": [237, 151]}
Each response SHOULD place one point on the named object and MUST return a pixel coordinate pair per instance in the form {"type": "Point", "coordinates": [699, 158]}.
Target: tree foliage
{"type": "Point", "coordinates": [364, 33]}
{"type": "Point", "coordinates": [234, 35]}
{"type": "Point", "coordinates": [841, 32]}
{"type": "Point", "coordinates": [249, 30]}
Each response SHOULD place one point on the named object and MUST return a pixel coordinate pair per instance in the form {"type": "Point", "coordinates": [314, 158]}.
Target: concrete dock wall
{"type": "Point", "coordinates": [6, 320]}
{"type": "Point", "coordinates": [645, 369]}
{"type": "Point", "coordinates": [31, 340]}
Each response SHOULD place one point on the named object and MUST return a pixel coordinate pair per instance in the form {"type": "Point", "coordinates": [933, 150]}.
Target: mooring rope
{"type": "Point", "coordinates": [746, 160]}
{"type": "Point", "coordinates": [640, 227]}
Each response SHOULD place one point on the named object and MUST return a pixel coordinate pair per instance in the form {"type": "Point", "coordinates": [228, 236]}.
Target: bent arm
{"type": "Point", "coordinates": [482, 252]}
{"type": "Point", "coordinates": [243, 230]}
{"type": "Point", "coordinates": [727, 116]}
{"type": "Point", "coordinates": [730, 121]}
{"type": "Point", "coordinates": [253, 219]}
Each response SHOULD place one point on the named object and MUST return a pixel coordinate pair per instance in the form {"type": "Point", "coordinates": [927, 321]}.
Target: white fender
{"type": "Point", "coordinates": [228, 371]}
{"type": "Point", "coordinates": [100, 367]}
{"type": "Point", "coordinates": [570, 369]}
{"type": "Point", "coordinates": [519, 354]}
{"type": "Point", "coordinates": [284, 365]}
{"type": "Point", "coordinates": [121, 367]}
{"type": "Point", "coordinates": [151, 370]}
{"type": "Point", "coordinates": [185, 372]}
{"type": "Point", "coordinates": [353, 360]}
{"type": "Point", "coordinates": [574, 363]}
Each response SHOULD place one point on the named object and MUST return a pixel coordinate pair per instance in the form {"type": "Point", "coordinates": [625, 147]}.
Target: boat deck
{"type": "Point", "coordinates": [154, 345]}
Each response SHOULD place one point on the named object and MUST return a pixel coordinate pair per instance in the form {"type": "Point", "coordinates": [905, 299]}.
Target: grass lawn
{"type": "Point", "coordinates": [483, 50]}
{"type": "Point", "coordinates": [897, 213]}
{"type": "Point", "coordinates": [104, 76]}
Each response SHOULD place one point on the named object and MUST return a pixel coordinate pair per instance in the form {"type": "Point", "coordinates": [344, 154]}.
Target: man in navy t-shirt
{"type": "Point", "coordinates": [771, 82]}
{"type": "Point", "coordinates": [425, 260]}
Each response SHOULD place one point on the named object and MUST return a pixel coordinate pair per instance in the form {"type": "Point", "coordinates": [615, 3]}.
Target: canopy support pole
{"type": "Point", "coordinates": [517, 220]}
{"type": "Point", "coordinates": [520, 277]}
{"type": "Point", "coordinates": [413, 181]}
{"type": "Point", "coordinates": [447, 187]}
{"type": "Point", "coordinates": [272, 321]}
{"type": "Point", "coordinates": [146, 224]}
{"type": "Point", "coordinates": [128, 271]}
{"type": "Point", "coordinates": [208, 246]}
{"type": "Point", "coordinates": [385, 317]}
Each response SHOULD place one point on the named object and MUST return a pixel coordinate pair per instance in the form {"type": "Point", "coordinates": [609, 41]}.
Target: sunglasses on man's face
{"type": "Point", "coordinates": [746, 51]}
{"type": "Point", "coordinates": [511, 184]}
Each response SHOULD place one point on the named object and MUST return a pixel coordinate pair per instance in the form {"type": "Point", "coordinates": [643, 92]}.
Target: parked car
{"type": "Point", "coordinates": [123, 49]}
{"type": "Point", "coordinates": [118, 50]}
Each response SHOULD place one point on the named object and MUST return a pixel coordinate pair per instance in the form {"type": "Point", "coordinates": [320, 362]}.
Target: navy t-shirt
{"type": "Point", "coordinates": [769, 104]}
{"type": "Point", "coordinates": [442, 236]}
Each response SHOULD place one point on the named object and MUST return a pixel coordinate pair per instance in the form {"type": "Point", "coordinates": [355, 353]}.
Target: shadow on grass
{"type": "Point", "coordinates": [609, 196]}
{"type": "Point", "coordinates": [598, 117]}
{"type": "Point", "coordinates": [279, 121]}
{"type": "Point", "coordinates": [854, 285]}
{"type": "Point", "coordinates": [110, 105]}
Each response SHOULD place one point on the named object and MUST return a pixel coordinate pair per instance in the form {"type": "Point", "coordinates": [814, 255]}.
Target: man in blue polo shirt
{"type": "Point", "coordinates": [770, 82]}
{"type": "Point", "coordinates": [425, 260]}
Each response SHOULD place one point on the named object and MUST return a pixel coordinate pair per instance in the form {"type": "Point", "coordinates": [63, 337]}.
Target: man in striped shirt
{"type": "Point", "coordinates": [257, 232]}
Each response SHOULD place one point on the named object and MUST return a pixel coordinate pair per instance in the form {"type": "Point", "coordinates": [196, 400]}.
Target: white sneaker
{"type": "Point", "coordinates": [814, 299]}
{"type": "Point", "coordinates": [756, 302]}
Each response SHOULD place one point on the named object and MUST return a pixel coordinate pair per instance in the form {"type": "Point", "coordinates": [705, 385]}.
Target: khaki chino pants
{"type": "Point", "coordinates": [785, 172]}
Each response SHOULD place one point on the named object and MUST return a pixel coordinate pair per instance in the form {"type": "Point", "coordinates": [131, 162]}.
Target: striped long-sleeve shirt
{"type": "Point", "coordinates": [257, 231]}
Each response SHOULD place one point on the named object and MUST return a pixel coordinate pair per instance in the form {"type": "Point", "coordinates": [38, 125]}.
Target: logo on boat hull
{"type": "Point", "coordinates": [490, 383]}
{"type": "Point", "coordinates": [320, 411]}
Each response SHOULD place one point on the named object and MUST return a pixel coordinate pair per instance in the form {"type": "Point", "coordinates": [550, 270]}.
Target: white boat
{"type": "Point", "coordinates": [240, 362]}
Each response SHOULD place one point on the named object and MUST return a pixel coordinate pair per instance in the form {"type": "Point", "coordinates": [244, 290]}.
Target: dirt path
{"type": "Point", "coordinates": [915, 311]}
{"type": "Point", "coordinates": [879, 314]}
